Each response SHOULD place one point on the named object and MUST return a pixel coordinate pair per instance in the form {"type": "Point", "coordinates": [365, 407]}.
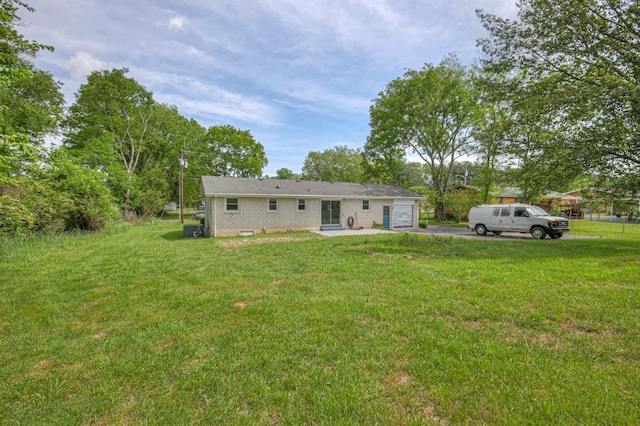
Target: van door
{"type": "Point", "coordinates": [521, 221]}
{"type": "Point", "coordinates": [501, 219]}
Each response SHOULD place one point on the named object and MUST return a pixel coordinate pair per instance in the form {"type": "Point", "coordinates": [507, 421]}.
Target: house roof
{"type": "Point", "coordinates": [250, 187]}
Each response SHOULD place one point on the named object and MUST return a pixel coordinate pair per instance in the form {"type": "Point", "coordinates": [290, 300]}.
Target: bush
{"type": "Point", "coordinates": [27, 205]}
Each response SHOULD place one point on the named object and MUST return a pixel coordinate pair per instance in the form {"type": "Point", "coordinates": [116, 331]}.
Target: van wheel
{"type": "Point", "coordinates": [538, 233]}
{"type": "Point", "coordinates": [481, 229]}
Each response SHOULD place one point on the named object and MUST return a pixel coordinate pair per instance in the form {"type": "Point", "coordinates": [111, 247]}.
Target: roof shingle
{"type": "Point", "coordinates": [250, 187]}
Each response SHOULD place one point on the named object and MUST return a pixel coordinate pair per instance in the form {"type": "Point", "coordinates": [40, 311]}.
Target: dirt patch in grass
{"type": "Point", "coordinates": [40, 369]}
{"type": "Point", "coordinates": [584, 330]}
{"type": "Point", "coordinates": [248, 241]}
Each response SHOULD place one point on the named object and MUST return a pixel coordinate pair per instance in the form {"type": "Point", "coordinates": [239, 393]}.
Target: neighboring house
{"type": "Point", "coordinates": [507, 195]}
{"type": "Point", "coordinates": [235, 206]}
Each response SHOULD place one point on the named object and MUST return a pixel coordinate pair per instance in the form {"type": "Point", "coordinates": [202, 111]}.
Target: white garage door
{"type": "Point", "coordinates": [402, 216]}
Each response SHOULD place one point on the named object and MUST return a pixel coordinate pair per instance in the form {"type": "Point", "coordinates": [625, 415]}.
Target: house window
{"type": "Point", "coordinates": [232, 205]}
{"type": "Point", "coordinates": [365, 205]}
{"type": "Point", "coordinates": [302, 205]}
{"type": "Point", "coordinates": [273, 205]}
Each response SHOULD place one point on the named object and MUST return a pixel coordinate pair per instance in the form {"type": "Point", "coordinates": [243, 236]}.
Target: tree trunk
{"type": "Point", "coordinates": [127, 203]}
{"type": "Point", "coordinates": [440, 212]}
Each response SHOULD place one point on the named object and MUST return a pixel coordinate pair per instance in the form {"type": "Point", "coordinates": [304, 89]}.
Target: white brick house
{"type": "Point", "coordinates": [234, 206]}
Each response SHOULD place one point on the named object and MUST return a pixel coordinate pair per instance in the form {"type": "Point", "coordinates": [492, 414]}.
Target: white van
{"type": "Point", "coordinates": [499, 218]}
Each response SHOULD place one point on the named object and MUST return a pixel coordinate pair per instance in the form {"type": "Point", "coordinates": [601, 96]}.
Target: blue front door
{"type": "Point", "coordinates": [385, 216]}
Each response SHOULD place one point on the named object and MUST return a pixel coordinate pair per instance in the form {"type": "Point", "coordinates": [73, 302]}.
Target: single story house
{"type": "Point", "coordinates": [245, 206]}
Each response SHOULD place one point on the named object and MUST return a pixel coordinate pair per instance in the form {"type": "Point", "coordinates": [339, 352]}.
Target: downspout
{"type": "Point", "coordinates": [215, 222]}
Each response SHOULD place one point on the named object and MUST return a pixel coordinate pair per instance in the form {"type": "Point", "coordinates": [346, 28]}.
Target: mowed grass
{"type": "Point", "coordinates": [136, 325]}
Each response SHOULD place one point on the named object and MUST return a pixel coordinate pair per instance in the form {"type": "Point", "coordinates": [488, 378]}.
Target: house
{"type": "Point", "coordinates": [507, 195]}
{"type": "Point", "coordinates": [245, 206]}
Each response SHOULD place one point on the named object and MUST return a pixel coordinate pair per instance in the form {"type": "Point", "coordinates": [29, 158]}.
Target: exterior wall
{"type": "Point", "coordinates": [254, 215]}
{"type": "Point", "coordinates": [504, 200]}
{"type": "Point", "coordinates": [362, 218]}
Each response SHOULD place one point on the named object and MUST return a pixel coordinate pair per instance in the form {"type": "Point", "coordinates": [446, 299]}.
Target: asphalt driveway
{"type": "Point", "coordinates": [446, 231]}
{"type": "Point", "coordinates": [468, 233]}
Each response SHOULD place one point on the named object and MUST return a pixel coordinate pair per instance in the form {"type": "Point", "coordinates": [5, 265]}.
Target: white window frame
{"type": "Point", "coordinates": [368, 206]}
{"type": "Point", "coordinates": [304, 205]}
{"type": "Point", "coordinates": [269, 200]}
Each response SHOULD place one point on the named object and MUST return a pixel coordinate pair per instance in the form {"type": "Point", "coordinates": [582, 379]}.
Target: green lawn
{"type": "Point", "coordinates": [136, 325]}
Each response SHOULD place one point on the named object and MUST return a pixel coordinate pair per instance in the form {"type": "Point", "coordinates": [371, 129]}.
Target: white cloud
{"type": "Point", "coordinates": [178, 22]}
{"type": "Point", "coordinates": [198, 98]}
{"type": "Point", "coordinates": [82, 64]}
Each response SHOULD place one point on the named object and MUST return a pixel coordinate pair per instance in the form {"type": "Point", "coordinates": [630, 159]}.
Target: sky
{"type": "Point", "coordinates": [300, 75]}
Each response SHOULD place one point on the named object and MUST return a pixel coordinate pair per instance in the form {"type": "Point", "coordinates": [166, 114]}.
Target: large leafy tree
{"type": "Point", "coordinates": [108, 127]}
{"type": "Point", "coordinates": [30, 106]}
{"type": "Point", "coordinates": [227, 151]}
{"type": "Point", "coordinates": [339, 164]}
{"type": "Point", "coordinates": [30, 100]}
{"type": "Point", "coordinates": [429, 112]}
{"type": "Point", "coordinates": [158, 174]}
{"type": "Point", "coordinates": [579, 61]}
{"type": "Point", "coordinates": [32, 103]}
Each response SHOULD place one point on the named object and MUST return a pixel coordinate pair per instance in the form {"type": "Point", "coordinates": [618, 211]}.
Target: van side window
{"type": "Point", "coordinates": [520, 212]}
{"type": "Point", "coordinates": [505, 212]}
{"type": "Point", "coordinates": [496, 211]}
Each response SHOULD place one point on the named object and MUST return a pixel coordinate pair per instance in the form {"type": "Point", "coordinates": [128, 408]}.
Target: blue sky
{"type": "Point", "coordinates": [300, 75]}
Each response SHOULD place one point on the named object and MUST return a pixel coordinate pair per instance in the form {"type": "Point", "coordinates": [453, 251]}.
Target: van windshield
{"type": "Point", "coordinates": [537, 211]}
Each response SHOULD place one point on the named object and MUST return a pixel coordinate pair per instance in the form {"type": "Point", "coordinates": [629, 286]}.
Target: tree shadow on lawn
{"type": "Point", "coordinates": [173, 236]}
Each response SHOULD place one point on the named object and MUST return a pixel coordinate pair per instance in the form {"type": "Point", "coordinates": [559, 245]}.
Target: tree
{"type": "Point", "coordinates": [285, 173]}
{"type": "Point", "coordinates": [339, 164]}
{"type": "Point", "coordinates": [108, 127]}
{"type": "Point", "coordinates": [228, 151]}
{"type": "Point", "coordinates": [158, 176]}
{"type": "Point", "coordinates": [540, 159]}
{"type": "Point", "coordinates": [30, 100]}
{"type": "Point", "coordinates": [490, 131]}
{"type": "Point", "coordinates": [386, 164]}
{"type": "Point", "coordinates": [579, 60]}
{"type": "Point", "coordinates": [460, 202]}
{"type": "Point", "coordinates": [12, 43]}
{"type": "Point", "coordinates": [412, 174]}
{"type": "Point", "coordinates": [30, 106]}
{"type": "Point", "coordinates": [32, 103]}
{"type": "Point", "coordinates": [430, 112]}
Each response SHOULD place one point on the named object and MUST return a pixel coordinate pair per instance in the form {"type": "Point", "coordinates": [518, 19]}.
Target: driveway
{"type": "Point", "coordinates": [451, 231]}
{"type": "Point", "coordinates": [445, 231]}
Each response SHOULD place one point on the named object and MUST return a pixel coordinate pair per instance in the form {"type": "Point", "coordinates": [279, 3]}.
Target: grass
{"type": "Point", "coordinates": [137, 325]}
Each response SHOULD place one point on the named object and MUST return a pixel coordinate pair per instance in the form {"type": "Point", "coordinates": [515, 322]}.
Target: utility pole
{"type": "Point", "coordinates": [183, 164]}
